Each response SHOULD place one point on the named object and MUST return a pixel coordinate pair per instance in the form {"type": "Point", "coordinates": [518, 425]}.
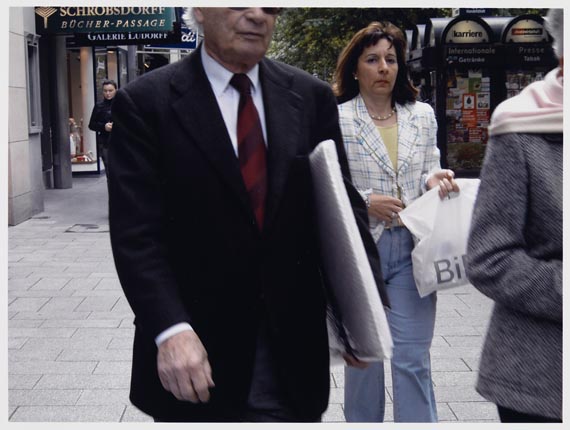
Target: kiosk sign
{"type": "Point", "coordinates": [467, 31]}
{"type": "Point", "coordinates": [527, 31]}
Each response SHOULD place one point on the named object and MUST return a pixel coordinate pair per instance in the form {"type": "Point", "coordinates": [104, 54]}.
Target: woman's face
{"type": "Point", "coordinates": [109, 91]}
{"type": "Point", "coordinates": [377, 69]}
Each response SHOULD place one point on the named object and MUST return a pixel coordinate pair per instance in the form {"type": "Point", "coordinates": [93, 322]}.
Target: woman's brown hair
{"type": "Point", "coordinates": [346, 87]}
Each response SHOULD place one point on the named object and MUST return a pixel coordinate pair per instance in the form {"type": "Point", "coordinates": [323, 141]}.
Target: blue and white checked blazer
{"type": "Point", "coordinates": [370, 165]}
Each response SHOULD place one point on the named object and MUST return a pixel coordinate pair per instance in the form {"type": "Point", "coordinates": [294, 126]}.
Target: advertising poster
{"type": "Point", "coordinates": [467, 118]}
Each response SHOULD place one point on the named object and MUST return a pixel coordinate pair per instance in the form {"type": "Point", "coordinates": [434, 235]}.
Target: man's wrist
{"type": "Point", "coordinates": [171, 331]}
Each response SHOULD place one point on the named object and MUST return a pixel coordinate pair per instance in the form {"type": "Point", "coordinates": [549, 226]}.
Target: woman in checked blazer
{"type": "Point", "coordinates": [390, 142]}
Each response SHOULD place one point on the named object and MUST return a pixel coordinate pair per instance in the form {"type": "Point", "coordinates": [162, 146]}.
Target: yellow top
{"type": "Point", "coordinates": [390, 137]}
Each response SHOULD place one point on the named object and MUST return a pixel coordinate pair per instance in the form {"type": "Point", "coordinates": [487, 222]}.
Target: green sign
{"type": "Point", "coordinates": [103, 19]}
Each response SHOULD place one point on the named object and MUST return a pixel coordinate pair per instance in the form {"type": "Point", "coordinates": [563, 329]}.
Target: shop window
{"type": "Point", "coordinates": [33, 83]}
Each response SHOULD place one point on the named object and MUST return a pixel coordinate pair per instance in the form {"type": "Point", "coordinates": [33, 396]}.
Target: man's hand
{"type": "Point", "coordinates": [183, 367]}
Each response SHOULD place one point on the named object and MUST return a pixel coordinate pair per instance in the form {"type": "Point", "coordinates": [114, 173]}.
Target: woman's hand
{"type": "Point", "coordinates": [352, 361]}
{"type": "Point", "coordinates": [109, 126]}
{"type": "Point", "coordinates": [443, 179]}
{"type": "Point", "coordinates": [385, 208]}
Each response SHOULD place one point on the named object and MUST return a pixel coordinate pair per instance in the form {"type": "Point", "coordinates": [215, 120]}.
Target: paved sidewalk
{"type": "Point", "coordinates": [70, 327]}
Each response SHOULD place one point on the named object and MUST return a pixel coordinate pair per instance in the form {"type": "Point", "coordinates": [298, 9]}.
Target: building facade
{"type": "Point", "coordinates": [59, 57]}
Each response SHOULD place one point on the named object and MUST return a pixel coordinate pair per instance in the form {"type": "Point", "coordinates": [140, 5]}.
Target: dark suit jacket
{"type": "Point", "coordinates": [185, 241]}
{"type": "Point", "coordinates": [100, 116]}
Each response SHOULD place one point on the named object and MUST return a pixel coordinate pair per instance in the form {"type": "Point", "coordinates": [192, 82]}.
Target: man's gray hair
{"type": "Point", "coordinates": [555, 25]}
{"type": "Point", "coordinates": [190, 20]}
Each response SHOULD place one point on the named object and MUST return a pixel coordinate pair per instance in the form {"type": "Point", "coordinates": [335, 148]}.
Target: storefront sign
{"type": "Point", "coordinates": [473, 55]}
{"type": "Point", "coordinates": [527, 31]}
{"type": "Point", "coordinates": [470, 11]}
{"type": "Point", "coordinates": [57, 20]}
{"type": "Point", "coordinates": [131, 38]}
{"type": "Point", "coordinates": [532, 54]}
{"type": "Point", "coordinates": [467, 32]}
{"type": "Point", "coordinates": [187, 39]}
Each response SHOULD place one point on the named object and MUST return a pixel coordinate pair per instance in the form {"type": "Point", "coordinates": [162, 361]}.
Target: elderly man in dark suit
{"type": "Point", "coordinates": [213, 229]}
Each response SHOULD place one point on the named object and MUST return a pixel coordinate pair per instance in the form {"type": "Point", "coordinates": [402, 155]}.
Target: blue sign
{"type": "Point", "coordinates": [188, 40]}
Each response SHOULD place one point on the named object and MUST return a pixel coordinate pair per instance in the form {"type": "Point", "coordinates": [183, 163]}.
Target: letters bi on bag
{"type": "Point", "coordinates": [440, 229]}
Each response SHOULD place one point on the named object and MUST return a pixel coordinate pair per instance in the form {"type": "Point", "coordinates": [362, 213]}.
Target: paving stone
{"type": "Point", "coordinates": [82, 284]}
{"type": "Point", "coordinates": [67, 414]}
{"type": "Point", "coordinates": [475, 411]}
{"type": "Point", "coordinates": [455, 352]}
{"type": "Point", "coordinates": [91, 333]}
{"type": "Point", "coordinates": [12, 324]}
{"type": "Point", "coordinates": [22, 382]}
{"type": "Point", "coordinates": [334, 414]}
{"type": "Point", "coordinates": [109, 284]}
{"type": "Point", "coordinates": [121, 343]}
{"type": "Point", "coordinates": [455, 330]}
{"type": "Point", "coordinates": [31, 293]}
{"type": "Point", "coordinates": [27, 304]}
{"type": "Point", "coordinates": [42, 332]}
{"type": "Point", "coordinates": [444, 413]}
{"type": "Point", "coordinates": [469, 341]}
{"type": "Point", "coordinates": [472, 363]}
{"type": "Point", "coordinates": [43, 397]}
{"type": "Point", "coordinates": [132, 414]}
{"type": "Point", "coordinates": [124, 354]}
{"type": "Point", "coordinates": [98, 293]}
{"type": "Point", "coordinates": [450, 364]}
{"type": "Point", "coordinates": [104, 397]}
{"type": "Point", "coordinates": [81, 381]}
{"type": "Point", "coordinates": [22, 283]}
{"type": "Point", "coordinates": [51, 368]}
{"type": "Point", "coordinates": [71, 343]}
{"type": "Point", "coordinates": [122, 305]}
{"type": "Point", "coordinates": [62, 304]}
{"type": "Point", "coordinates": [16, 343]}
{"type": "Point", "coordinates": [446, 379]}
{"type": "Point", "coordinates": [457, 394]}
{"type": "Point", "coordinates": [113, 368]}
{"type": "Point", "coordinates": [109, 274]}
{"type": "Point", "coordinates": [88, 323]}
{"type": "Point", "coordinates": [43, 315]}
{"type": "Point", "coordinates": [127, 323]}
{"type": "Point", "coordinates": [33, 355]}
{"type": "Point", "coordinates": [121, 314]}
{"type": "Point", "coordinates": [98, 304]}
{"type": "Point", "coordinates": [336, 395]}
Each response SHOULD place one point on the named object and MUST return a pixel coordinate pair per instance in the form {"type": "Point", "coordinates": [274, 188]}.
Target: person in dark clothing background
{"type": "Point", "coordinates": [101, 121]}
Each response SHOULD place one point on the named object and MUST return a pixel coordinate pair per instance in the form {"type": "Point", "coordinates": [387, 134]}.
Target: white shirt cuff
{"type": "Point", "coordinates": [169, 332]}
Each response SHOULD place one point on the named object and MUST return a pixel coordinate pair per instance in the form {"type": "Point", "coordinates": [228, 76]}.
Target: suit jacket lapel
{"type": "Point", "coordinates": [283, 110]}
{"type": "Point", "coordinates": [200, 116]}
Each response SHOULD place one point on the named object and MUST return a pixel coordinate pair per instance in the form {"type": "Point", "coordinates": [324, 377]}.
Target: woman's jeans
{"type": "Point", "coordinates": [411, 321]}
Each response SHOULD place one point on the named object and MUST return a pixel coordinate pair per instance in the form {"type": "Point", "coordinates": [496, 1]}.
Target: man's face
{"type": "Point", "coordinates": [109, 91]}
{"type": "Point", "coordinates": [237, 39]}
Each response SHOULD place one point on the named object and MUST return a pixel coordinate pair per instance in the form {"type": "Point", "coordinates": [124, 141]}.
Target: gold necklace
{"type": "Point", "coordinates": [382, 118]}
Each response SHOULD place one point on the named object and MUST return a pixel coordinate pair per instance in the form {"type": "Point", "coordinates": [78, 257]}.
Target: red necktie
{"type": "Point", "coordinates": [251, 148]}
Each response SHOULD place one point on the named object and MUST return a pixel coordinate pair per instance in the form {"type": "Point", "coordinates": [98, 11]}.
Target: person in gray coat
{"type": "Point", "coordinates": [514, 253]}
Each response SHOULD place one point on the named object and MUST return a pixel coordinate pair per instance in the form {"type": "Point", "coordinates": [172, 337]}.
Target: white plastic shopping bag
{"type": "Point", "coordinates": [441, 229]}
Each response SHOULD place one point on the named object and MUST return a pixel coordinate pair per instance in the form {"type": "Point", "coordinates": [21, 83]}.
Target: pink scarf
{"type": "Point", "coordinates": [537, 109]}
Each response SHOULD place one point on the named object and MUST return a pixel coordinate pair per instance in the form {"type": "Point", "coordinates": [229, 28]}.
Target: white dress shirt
{"type": "Point", "coordinates": [228, 101]}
